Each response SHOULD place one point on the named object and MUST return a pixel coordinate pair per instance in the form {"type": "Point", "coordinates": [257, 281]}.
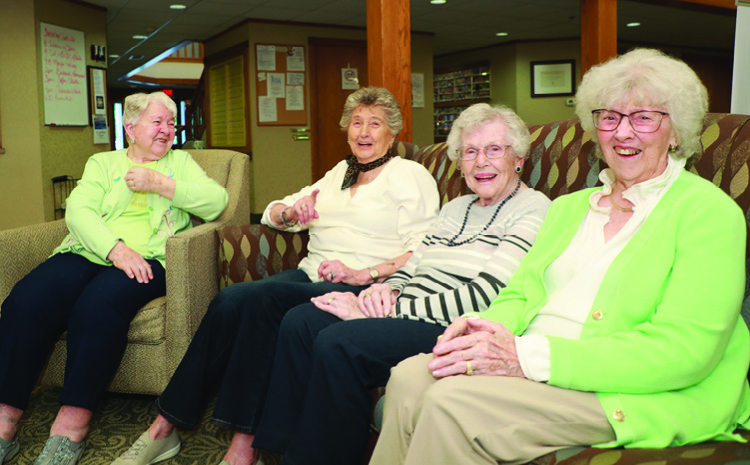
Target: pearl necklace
{"type": "Point", "coordinates": [452, 241]}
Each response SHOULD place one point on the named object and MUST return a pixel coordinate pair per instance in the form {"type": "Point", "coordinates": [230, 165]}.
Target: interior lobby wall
{"type": "Point", "coordinates": [21, 164]}
{"type": "Point", "coordinates": [280, 165]}
{"type": "Point", "coordinates": [65, 150]}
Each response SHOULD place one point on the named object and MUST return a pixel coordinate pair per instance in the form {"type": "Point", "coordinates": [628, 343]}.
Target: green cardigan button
{"type": "Point", "coordinates": [597, 315]}
{"type": "Point", "coordinates": [618, 415]}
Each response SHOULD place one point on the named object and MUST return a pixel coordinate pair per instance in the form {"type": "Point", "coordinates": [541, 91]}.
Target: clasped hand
{"type": "Point", "coordinates": [489, 346]}
{"type": "Point", "coordinates": [374, 302]}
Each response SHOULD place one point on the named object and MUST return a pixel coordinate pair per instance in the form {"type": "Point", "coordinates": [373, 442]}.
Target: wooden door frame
{"type": "Point", "coordinates": [313, 43]}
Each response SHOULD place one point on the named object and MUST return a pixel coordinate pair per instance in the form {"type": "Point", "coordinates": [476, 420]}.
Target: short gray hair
{"type": "Point", "coordinates": [136, 104]}
{"type": "Point", "coordinates": [480, 114]}
{"type": "Point", "coordinates": [647, 77]}
{"type": "Point", "coordinates": [374, 97]}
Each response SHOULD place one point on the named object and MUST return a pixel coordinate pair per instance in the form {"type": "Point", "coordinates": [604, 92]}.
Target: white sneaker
{"type": "Point", "coordinates": [146, 451]}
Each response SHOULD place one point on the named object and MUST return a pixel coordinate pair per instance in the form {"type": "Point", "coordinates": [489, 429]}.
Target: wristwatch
{"type": "Point", "coordinates": [373, 274]}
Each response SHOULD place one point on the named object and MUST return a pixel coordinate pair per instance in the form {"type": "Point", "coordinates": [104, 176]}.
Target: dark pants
{"type": "Point", "coordinates": [320, 405]}
{"type": "Point", "coordinates": [237, 337]}
{"type": "Point", "coordinates": [94, 303]}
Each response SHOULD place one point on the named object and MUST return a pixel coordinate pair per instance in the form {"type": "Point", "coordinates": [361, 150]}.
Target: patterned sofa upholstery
{"type": "Point", "coordinates": [561, 160]}
{"type": "Point", "coordinates": [161, 331]}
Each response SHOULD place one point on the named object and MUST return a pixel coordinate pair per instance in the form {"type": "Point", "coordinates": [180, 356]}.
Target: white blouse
{"type": "Point", "coordinates": [384, 219]}
{"type": "Point", "coordinates": [573, 279]}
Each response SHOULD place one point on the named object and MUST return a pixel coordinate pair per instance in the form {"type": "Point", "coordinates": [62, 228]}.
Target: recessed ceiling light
{"type": "Point", "coordinates": [501, 34]}
{"type": "Point", "coordinates": [177, 6]}
{"type": "Point", "coordinates": [136, 57]}
{"type": "Point", "coordinates": [140, 37]}
{"type": "Point", "coordinates": [114, 55]}
{"type": "Point", "coordinates": [633, 24]}
{"type": "Point", "coordinates": [437, 2]}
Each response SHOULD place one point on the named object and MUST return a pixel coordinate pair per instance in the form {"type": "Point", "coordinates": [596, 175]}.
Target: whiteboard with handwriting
{"type": "Point", "coordinates": [64, 76]}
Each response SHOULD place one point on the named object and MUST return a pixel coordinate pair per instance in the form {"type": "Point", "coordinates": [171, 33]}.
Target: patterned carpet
{"type": "Point", "coordinates": [116, 424]}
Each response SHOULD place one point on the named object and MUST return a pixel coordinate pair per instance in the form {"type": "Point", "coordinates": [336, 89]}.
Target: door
{"type": "Point", "coordinates": [327, 58]}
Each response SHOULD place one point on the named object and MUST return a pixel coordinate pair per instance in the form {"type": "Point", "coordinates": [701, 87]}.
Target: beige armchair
{"type": "Point", "coordinates": [161, 331]}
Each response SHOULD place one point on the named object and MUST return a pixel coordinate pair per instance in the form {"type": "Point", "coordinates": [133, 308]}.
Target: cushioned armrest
{"type": "Point", "coordinates": [251, 252]}
{"type": "Point", "coordinates": [22, 249]}
{"type": "Point", "coordinates": [191, 284]}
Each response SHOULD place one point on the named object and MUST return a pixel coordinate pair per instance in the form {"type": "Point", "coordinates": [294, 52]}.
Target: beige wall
{"type": "Point", "coordinates": [66, 149]}
{"type": "Point", "coordinates": [36, 153]}
{"type": "Point", "coordinates": [281, 165]}
{"type": "Point", "coordinates": [21, 164]}
{"type": "Point", "coordinates": [510, 69]}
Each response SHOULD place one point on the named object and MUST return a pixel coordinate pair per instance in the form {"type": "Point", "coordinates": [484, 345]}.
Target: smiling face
{"type": "Point", "coordinates": [369, 137]}
{"type": "Point", "coordinates": [153, 133]}
{"type": "Point", "coordinates": [491, 179]}
{"type": "Point", "coordinates": [636, 156]}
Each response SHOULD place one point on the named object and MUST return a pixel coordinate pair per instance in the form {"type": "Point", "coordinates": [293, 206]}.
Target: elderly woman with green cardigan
{"type": "Point", "coordinates": [125, 207]}
{"type": "Point", "coordinates": [621, 326]}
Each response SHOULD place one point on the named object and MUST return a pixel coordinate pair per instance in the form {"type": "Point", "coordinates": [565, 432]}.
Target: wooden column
{"type": "Point", "coordinates": [598, 32]}
{"type": "Point", "coordinates": [389, 53]}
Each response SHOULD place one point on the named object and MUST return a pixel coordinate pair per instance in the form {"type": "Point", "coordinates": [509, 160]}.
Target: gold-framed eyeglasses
{"type": "Point", "coordinates": [640, 121]}
{"type": "Point", "coordinates": [492, 151]}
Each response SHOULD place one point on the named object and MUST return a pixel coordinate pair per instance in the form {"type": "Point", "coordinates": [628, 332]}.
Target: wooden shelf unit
{"type": "Point", "coordinates": [455, 90]}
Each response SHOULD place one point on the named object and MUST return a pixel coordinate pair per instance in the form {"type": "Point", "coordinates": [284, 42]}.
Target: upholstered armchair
{"type": "Point", "coordinates": [161, 331]}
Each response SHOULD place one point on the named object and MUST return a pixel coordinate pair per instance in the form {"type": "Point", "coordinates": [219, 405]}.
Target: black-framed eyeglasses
{"type": "Point", "coordinates": [640, 121]}
{"type": "Point", "coordinates": [492, 151]}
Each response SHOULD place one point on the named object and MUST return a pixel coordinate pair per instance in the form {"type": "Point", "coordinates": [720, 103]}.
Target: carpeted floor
{"type": "Point", "coordinates": [116, 424]}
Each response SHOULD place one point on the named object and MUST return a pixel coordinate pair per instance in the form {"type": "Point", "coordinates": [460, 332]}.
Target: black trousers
{"type": "Point", "coordinates": [234, 346]}
{"type": "Point", "coordinates": [319, 406]}
{"type": "Point", "coordinates": [94, 303]}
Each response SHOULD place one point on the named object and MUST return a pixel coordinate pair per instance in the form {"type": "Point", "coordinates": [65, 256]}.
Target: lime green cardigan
{"type": "Point", "coordinates": [668, 356]}
{"type": "Point", "coordinates": [101, 196]}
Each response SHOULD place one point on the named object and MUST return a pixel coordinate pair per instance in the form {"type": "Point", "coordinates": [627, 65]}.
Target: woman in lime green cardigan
{"type": "Point", "coordinates": [621, 326]}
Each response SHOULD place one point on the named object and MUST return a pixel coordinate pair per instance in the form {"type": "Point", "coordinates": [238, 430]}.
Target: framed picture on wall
{"type": "Point", "coordinates": [553, 78]}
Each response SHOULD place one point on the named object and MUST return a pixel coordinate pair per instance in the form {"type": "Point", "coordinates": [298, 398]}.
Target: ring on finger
{"type": "Point", "coordinates": [331, 276]}
{"type": "Point", "coordinates": [469, 370]}
{"type": "Point", "coordinates": [367, 294]}
{"type": "Point", "coordinates": [331, 299]}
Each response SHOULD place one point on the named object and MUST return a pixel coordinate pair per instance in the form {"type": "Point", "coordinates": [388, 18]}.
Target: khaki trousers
{"type": "Point", "coordinates": [481, 419]}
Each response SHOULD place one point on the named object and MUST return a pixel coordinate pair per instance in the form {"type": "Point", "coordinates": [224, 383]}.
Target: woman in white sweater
{"type": "Point", "coordinates": [333, 350]}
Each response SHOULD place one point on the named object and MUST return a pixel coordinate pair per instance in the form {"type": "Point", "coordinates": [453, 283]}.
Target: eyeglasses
{"type": "Point", "coordinates": [492, 151]}
{"type": "Point", "coordinates": [640, 121]}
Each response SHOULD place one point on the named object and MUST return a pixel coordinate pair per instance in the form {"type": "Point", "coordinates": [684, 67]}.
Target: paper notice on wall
{"type": "Point", "coordinates": [295, 98]}
{"type": "Point", "coordinates": [275, 85]}
{"type": "Point", "coordinates": [101, 131]}
{"type": "Point", "coordinates": [267, 110]}
{"type": "Point", "coordinates": [266, 57]}
{"type": "Point", "coordinates": [295, 79]}
{"type": "Point", "coordinates": [295, 59]}
{"type": "Point", "coordinates": [349, 79]}
{"type": "Point", "coordinates": [417, 90]}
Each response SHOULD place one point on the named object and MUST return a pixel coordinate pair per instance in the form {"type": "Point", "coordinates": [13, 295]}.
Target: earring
{"type": "Point", "coordinates": [673, 149]}
{"type": "Point", "coordinates": [518, 169]}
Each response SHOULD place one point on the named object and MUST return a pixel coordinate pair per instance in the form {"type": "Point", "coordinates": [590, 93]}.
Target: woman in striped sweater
{"type": "Point", "coordinates": [331, 351]}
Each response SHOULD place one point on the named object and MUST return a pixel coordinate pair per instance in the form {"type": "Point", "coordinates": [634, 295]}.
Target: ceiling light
{"type": "Point", "coordinates": [136, 57]}
{"type": "Point", "coordinates": [114, 55]}
{"type": "Point", "coordinates": [633, 24]}
{"type": "Point", "coordinates": [140, 37]}
{"type": "Point", "coordinates": [437, 2]}
{"type": "Point", "coordinates": [501, 34]}
{"type": "Point", "coordinates": [177, 6]}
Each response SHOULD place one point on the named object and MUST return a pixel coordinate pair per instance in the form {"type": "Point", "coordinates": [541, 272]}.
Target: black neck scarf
{"type": "Point", "coordinates": [355, 167]}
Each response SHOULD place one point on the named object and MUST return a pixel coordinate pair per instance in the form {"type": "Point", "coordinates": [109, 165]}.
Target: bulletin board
{"type": "Point", "coordinates": [66, 100]}
{"type": "Point", "coordinates": [281, 85]}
